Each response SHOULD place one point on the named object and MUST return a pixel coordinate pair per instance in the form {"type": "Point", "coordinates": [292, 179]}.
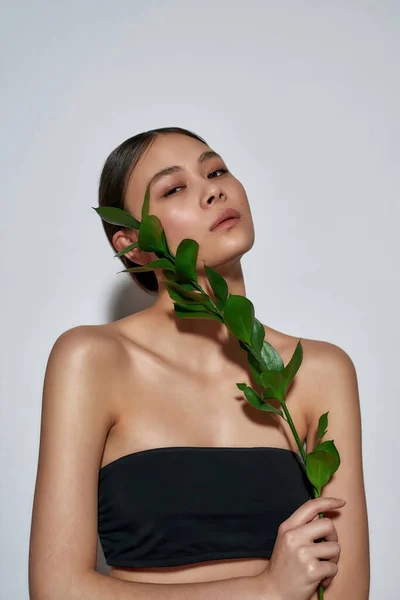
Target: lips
{"type": "Point", "coordinates": [228, 213]}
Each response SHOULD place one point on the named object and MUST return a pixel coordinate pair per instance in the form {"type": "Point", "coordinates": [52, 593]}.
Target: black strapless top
{"type": "Point", "coordinates": [183, 504]}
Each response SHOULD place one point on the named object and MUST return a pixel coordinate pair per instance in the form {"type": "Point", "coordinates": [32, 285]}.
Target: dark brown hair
{"type": "Point", "coordinates": [112, 186]}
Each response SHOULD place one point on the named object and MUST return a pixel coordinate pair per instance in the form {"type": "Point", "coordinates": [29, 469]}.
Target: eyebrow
{"type": "Point", "coordinates": [207, 155]}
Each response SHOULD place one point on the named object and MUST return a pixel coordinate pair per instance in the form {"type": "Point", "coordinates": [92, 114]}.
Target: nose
{"type": "Point", "coordinates": [211, 198]}
{"type": "Point", "coordinates": [217, 193]}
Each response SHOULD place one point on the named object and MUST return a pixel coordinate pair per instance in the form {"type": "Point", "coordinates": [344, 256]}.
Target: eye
{"type": "Point", "coordinates": [171, 190]}
{"type": "Point", "coordinates": [221, 170]}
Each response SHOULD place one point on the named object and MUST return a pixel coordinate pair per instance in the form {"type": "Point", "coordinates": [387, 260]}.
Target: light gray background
{"type": "Point", "coordinates": [301, 98]}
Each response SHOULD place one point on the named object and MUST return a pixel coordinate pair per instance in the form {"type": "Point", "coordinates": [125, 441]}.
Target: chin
{"type": "Point", "coordinates": [227, 248]}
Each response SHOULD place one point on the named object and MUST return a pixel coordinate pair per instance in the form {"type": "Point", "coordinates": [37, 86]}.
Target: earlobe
{"type": "Point", "coordinates": [139, 256]}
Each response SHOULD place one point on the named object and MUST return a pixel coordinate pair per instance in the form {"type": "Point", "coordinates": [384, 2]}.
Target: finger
{"type": "Point", "coordinates": [326, 551]}
{"type": "Point", "coordinates": [310, 509]}
{"type": "Point", "coordinates": [320, 526]}
{"type": "Point", "coordinates": [326, 582]}
{"type": "Point", "coordinates": [332, 536]}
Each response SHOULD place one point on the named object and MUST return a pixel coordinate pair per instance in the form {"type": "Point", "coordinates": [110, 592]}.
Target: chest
{"type": "Point", "coordinates": [192, 474]}
{"type": "Point", "coordinates": [163, 406]}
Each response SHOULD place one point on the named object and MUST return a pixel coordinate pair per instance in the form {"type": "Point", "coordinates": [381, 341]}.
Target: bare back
{"type": "Point", "coordinates": [157, 402]}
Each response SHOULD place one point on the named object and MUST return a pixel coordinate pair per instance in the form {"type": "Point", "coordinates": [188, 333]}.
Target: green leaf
{"type": "Point", "coordinates": [269, 408]}
{"type": "Point", "coordinates": [127, 249]}
{"type": "Point", "coordinates": [318, 468]}
{"type": "Point", "coordinates": [162, 263]}
{"type": "Point", "coordinates": [239, 317]}
{"type": "Point", "coordinates": [274, 383]}
{"type": "Point", "coordinates": [151, 235]}
{"type": "Point", "coordinates": [255, 399]}
{"type": "Point", "coordinates": [252, 397]}
{"type": "Point", "coordinates": [194, 312]}
{"type": "Point", "coordinates": [242, 386]}
{"type": "Point", "coordinates": [294, 364]}
{"type": "Point", "coordinates": [145, 206]}
{"type": "Point", "coordinates": [117, 216]}
{"type": "Point", "coordinates": [254, 366]}
{"type": "Point", "coordinates": [329, 446]}
{"type": "Point", "coordinates": [184, 296]}
{"type": "Point", "coordinates": [190, 287]}
{"type": "Point", "coordinates": [322, 427]}
{"type": "Point", "coordinates": [187, 285]}
{"type": "Point", "coordinates": [218, 286]}
{"type": "Point", "coordinates": [167, 250]}
{"type": "Point", "coordinates": [186, 259]}
{"type": "Point", "coordinates": [258, 335]}
{"type": "Point", "coordinates": [171, 276]}
{"type": "Point", "coordinates": [271, 357]}
{"type": "Point", "coordinates": [191, 308]}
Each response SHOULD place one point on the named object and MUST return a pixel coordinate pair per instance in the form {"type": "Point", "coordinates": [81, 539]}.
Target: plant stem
{"type": "Point", "coordinates": [292, 427]}
{"type": "Point", "coordinates": [216, 309]}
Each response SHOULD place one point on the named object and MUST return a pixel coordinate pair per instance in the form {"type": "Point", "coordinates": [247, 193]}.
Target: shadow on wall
{"type": "Point", "coordinates": [127, 298]}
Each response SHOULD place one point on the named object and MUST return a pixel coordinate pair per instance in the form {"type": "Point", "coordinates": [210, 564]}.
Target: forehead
{"type": "Point", "coordinates": [165, 151]}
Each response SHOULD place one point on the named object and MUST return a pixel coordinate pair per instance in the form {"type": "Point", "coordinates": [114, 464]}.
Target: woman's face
{"type": "Point", "coordinates": [190, 196]}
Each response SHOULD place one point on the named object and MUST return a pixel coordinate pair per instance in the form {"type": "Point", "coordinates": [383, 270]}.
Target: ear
{"type": "Point", "coordinates": [125, 237]}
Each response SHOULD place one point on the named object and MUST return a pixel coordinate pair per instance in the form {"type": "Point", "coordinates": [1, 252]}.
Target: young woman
{"type": "Point", "coordinates": [147, 440]}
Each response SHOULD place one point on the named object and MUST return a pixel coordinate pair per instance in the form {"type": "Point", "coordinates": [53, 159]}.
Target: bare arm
{"type": "Point", "coordinates": [76, 419]}
{"type": "Point", "coordinates": [336, 390]}
{"type": "Point", "coordinates": [95, 585]}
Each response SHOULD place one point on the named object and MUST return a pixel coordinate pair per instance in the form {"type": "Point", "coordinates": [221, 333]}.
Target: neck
{"type": "Point", "coordinates": [197, 341]}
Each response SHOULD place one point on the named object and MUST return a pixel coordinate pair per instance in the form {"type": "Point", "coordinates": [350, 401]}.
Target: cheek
{"type": "Point", "coordinates": [180, 224]}
{"type": "Point", "coordinates": [239, 192]}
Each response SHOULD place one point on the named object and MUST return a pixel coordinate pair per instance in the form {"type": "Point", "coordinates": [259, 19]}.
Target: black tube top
{"type": "Point", "coordinates": [183, 504]}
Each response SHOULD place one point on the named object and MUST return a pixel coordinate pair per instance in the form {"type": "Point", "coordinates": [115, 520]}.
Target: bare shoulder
{"type": "Point", "coordinates": [99, 345]}
{"type": "Point", "coordinates": [319, 356]}
{"type": "Point", "coordinates": [83, 337]}
{"type": "Point", "coordinates": [85, 357]}
{"type": "Point", "coordinates": [323, 366]}
{"type": "Point", "coordinates": [327, 366]}
{"type": "Point", "coordinates": [326, 355]}
{"type": "Point", "coordinates": [321, 359]}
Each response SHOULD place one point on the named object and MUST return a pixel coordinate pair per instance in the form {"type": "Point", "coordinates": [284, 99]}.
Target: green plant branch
{"type": "Point", "coordinates": [292, 427]}
{"type": "Point", "coordinates": [216, 309]}
{"type": "Point", "coordinates": [237, 314]}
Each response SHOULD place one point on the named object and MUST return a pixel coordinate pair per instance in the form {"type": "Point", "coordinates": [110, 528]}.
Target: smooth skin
{"type": "Point", "coordinates": [153, 380]}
